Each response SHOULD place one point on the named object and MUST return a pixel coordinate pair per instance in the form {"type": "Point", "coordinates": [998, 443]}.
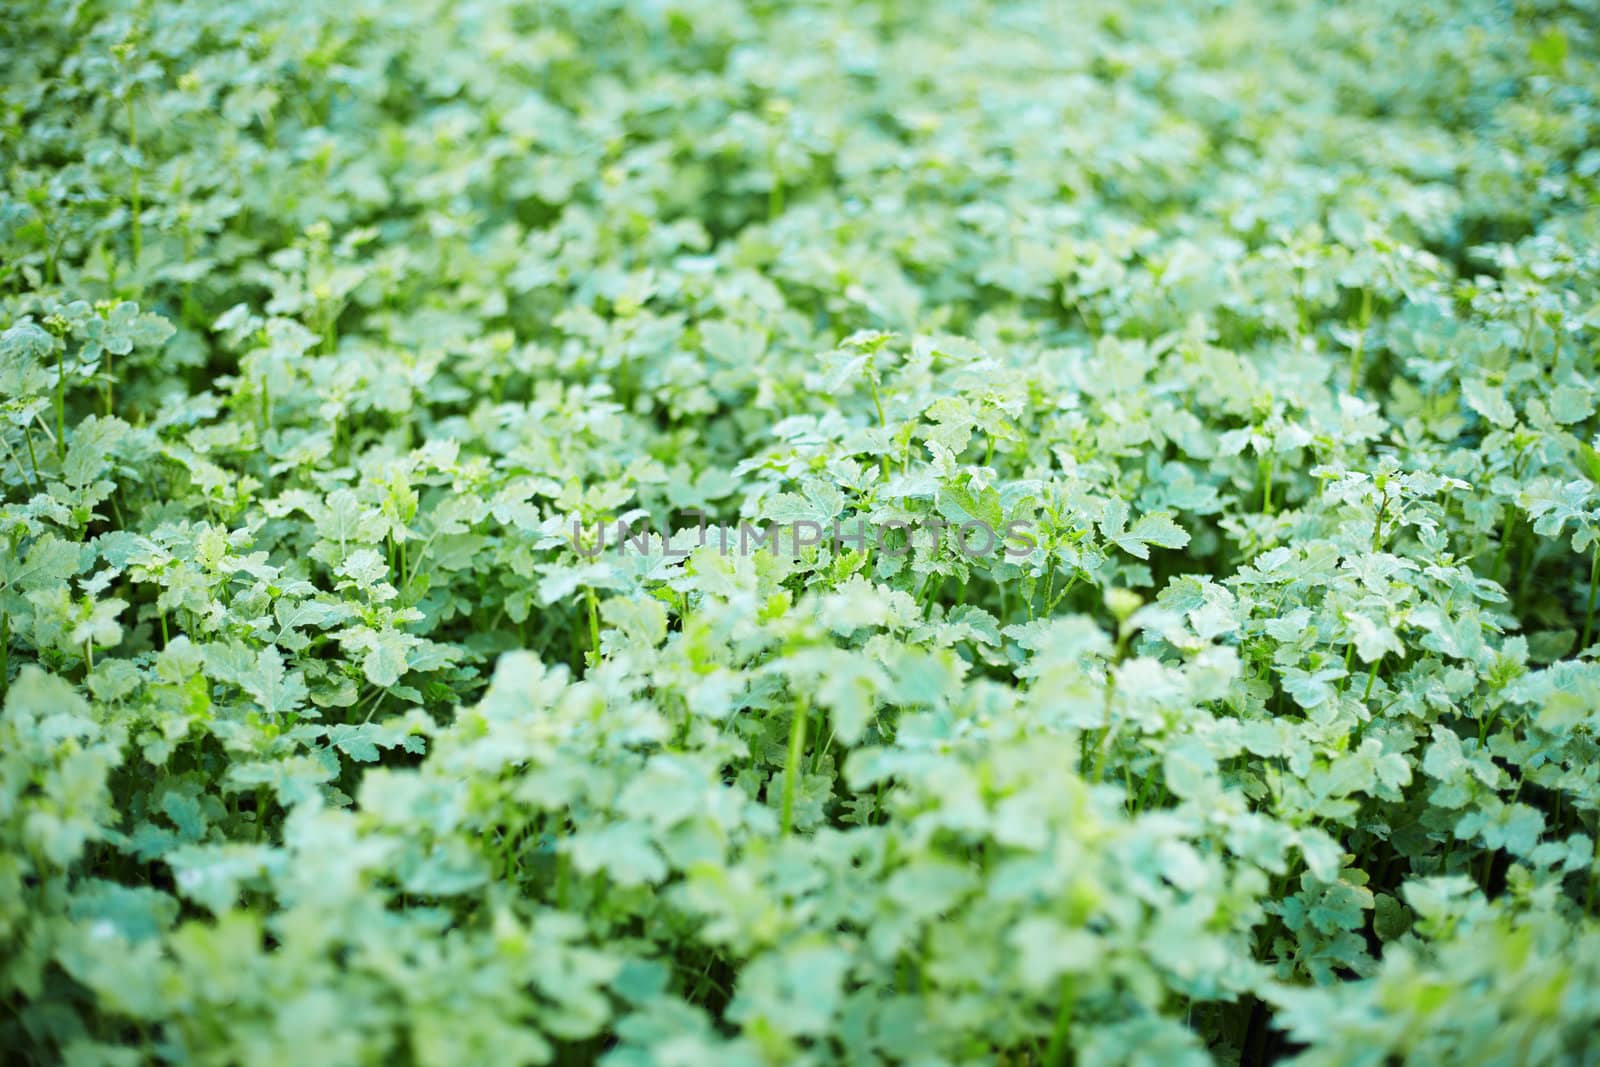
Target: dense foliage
{"type": "Point", "coordinates": [324, 742]}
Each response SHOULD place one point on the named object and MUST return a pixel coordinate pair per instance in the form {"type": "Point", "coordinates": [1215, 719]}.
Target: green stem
{"type": "Point", "coordinates": [594, 622]}
{"type": "Point", "coordinates": [883, 423]}
{"type": "Point", "coordinates": [1530, 552]}
{"type": "Point", "coordinates": [1594, 876]}
{"type": "Point", "coordinates": [775, 194]}
{"type": "Point", "coordinates": [422, 553]}
{"type": "Point", "coordinates": [329, 321]}
{"type": "Point", "coordinates": [33, 458]}
{"type": "Point", "coordinates": [1505, 542]}
{"type": "Point", "coordinates": [1266, 465]}
{"type": "Point", "coordinates": [50, 247]}
{"type": "Point", "coordinates": [1300, 319]}
{"type": "Point", "coordinates": [61, 404]}
{"type": "Point", "coordinates": [22, 473]}
{"type": "Point", "coordinates": [191, 310]}
{"type": "Point", "coordinates": [1060, 1053]}
{"type": "Point", "coordinates": [1594, 587]}
{"type": "Point", "coordinates": [1060, 596]}
{"type": "Point", "coordinates": [133, 186]}
{"type": "Point", "coordinates": [791, 765]}
{"type": "Point", "coordinates": [1359, 349]}
{"type": "Point", "coordinates": [877, 399]}
{"type": "Point", "coordinates": [1110, 732]}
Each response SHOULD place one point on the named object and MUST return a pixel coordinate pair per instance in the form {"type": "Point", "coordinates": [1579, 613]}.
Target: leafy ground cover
{"type": "Point", "coordinates": [325, 742]}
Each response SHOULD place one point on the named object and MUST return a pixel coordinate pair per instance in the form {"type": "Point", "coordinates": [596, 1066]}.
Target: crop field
{"type": "Point", "coordinates": [727, 533]}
